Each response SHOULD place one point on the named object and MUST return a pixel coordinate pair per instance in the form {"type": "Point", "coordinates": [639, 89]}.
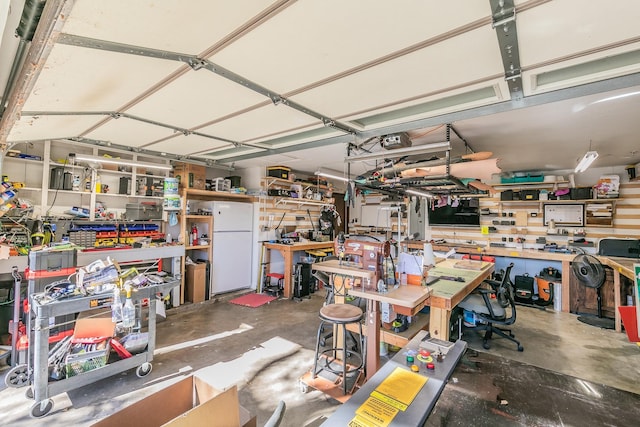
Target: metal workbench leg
{"type": "Point", "coordinates": [40, 358]}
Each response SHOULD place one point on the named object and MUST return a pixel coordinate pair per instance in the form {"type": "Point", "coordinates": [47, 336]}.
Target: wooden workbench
{"type": "Point", "coordinates": [446, 294]}
{"type": "Point", "coordinates": [287, 252]}
{"type": "Point", "coordinates": [442, 296]}
{"type": "Point", "coordinates": [620, 266]}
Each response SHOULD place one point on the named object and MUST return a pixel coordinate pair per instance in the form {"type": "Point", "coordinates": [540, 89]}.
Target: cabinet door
{"type": "Point", "coordinates": [232, 261]}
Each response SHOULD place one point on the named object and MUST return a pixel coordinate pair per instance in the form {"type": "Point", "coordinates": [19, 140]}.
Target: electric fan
{"type": "Point", "coordinates": [590, 272]}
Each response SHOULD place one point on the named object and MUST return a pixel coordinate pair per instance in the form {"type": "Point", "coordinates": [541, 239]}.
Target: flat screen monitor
{"type": "Point", "coordinates": [465, 214]}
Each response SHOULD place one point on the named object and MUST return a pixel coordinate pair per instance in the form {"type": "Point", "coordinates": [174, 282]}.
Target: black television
{"type": "Point", "coordinates": [465, 214]}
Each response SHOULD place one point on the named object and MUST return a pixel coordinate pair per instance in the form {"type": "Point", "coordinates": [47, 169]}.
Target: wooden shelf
{"type": "Point", "coordinates": [399, 339]}
{"type": "Point", "coordinates": [301, 201]}
{"type": "Point", "coordinates": [198, 217]}
{"type": "Point", "coordinates": [21, 159]}
{"type": "Point", "coordinates": [541, 184]}
{"type": "Point", "coordinates": [197, 247]}
{"type": "Point", "coordinates": [270, 180]}
{"type": "Point", "coordinates": [195, 194]}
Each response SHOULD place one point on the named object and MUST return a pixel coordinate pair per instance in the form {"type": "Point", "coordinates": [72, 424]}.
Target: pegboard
{"type": "Point", "coordinates": [564, 214]}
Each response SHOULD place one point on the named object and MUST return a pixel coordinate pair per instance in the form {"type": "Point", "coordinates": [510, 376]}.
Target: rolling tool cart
{"type": "Point", "coordinates": [12, 304]}
{"type": "Point", "coordinates": [42, 310]}
{"type": "Point", "coordinates": [45, 269]}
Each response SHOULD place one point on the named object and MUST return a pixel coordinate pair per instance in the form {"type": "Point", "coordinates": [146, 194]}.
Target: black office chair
{"type": "Point", "coordinates": [493, 306]}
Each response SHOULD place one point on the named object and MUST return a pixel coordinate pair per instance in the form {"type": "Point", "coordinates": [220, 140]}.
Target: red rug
{"type": "Point", "coordinates": [253, 300]}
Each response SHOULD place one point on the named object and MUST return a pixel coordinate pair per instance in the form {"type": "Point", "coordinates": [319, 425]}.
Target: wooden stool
{"type": "Point", "coordinates": [340, 315]}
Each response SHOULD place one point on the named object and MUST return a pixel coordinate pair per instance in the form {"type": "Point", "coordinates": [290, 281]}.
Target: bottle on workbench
{"type": "Point", "coordinates": [128, 311]}
{"type": "Point", "coordinates": [116, 307]}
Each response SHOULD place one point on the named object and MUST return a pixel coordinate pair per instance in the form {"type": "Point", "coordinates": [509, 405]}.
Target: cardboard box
{"type": "Point", "coordinates": [189, 402]}
{"type": "Point", "coordinates": [190, 175]}
{"type": "Point", "coordinates": [195, 282]}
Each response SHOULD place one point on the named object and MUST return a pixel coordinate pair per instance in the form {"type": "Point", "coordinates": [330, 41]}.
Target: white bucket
{"type": "Point", "coordinates": [383, 349]}
{"type": "Point", "coordinates": [557, 296]}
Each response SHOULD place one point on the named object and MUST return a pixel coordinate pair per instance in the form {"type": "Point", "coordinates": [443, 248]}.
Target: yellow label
{"type": "Point", "coordinates": [375, 412]}
{"type": "Point", "coordinates": [389, 401]}
{"type": "Point", "coordinates": [402, 385]}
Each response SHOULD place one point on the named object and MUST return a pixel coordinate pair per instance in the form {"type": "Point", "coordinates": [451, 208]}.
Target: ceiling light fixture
{"type": "Point", "coordinates": [419, 193]}
{"type": "Point", "coordinates": [586, 161]}
{"type": "Point", "coordinates": [112, 161]}
{"type": "Point", "coordinates": [332, 176]}
{"type": "Point", "coordinates": [616, 97]}
{"type": "Point", "coordinates": [399, 152]}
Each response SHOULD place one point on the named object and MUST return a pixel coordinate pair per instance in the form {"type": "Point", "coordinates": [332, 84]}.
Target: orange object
{"type": "Point", "coordinates": [544, 289]}
{"type": "Point", "coordinates": [414, 279]}
{"type": "Point", "coordinates": [486, 258]}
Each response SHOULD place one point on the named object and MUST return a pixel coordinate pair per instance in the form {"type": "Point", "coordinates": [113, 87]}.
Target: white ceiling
{"type": "Point", "coordinates": [265, 82]}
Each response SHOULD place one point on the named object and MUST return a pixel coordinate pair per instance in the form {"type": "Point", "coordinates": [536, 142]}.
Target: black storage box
{"type": "Point", "coordinates": [302, 281]}
{"type": "Point", "coordinates": [523, 289]}
{"type": "Point", "coordinates": [506, 195]}
{"type": "Point", "coordinates": [627, 248]}
{"type": "Point", "coordinates": [279, 192]}
{"type": "Point", "coordinates": [529, 194]}
{"type": "Point", "coordinates": [235, 181]}
{"type": "Point", "coordinates": [278, 172]}
{"type": "Point", "coordinates": [561, 195]}
{"type": "Point", "coordinates": [581, 193]}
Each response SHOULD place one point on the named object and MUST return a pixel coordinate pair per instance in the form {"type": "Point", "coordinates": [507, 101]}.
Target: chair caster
{"type": "Point", "coordinates": [520, 348]}
{"type": "Point", "coordinates": [322, 343]}
{"type": "Point", "coordinates": [486, 345]}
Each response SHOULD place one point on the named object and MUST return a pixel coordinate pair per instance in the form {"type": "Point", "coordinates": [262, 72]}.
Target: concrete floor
{"type": "Point", "coordinates": [555, 341]}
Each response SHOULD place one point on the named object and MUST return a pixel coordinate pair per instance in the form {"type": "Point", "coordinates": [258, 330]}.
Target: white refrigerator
{"type": "Point", "coordinates": [232, 246]}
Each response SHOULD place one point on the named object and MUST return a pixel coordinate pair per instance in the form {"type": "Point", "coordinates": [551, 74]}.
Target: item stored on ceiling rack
{"type": "Point", "coordinates": [396, 140]}
{"type": "Point", "coordinates": [282, 172]}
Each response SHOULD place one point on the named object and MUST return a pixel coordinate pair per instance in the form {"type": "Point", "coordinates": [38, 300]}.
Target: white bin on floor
{"type": "Point", "coordinates": [557, 296]}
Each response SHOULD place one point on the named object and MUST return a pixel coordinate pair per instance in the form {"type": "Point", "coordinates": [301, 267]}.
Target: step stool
{"type": "Point", "coordinates": [278, 288]}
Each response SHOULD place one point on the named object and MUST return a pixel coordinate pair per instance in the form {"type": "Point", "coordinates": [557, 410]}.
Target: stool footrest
{"type": "Point", "coordinates": [276, 275]}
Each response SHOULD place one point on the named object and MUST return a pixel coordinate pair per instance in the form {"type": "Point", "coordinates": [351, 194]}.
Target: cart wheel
{"type": "Point", "coordinates": [40, 409]}
{"type": "Point", "coordinates": [17, 377]}
{"type": "Point", "coordinates": [29, 393]}
{"type": "Point", "coordinates": [304, 388]}
{"type": "Point", "coordinates": [486, 344]}
{"type": "Point", "coordinates": [144, 369]}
